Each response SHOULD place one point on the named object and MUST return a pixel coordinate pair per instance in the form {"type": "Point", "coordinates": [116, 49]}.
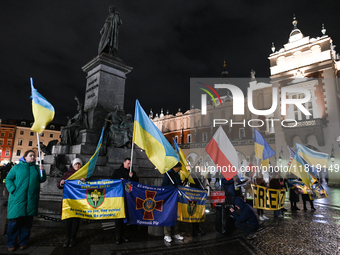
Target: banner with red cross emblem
{"type": "Point", "coordinates": [150, 205]}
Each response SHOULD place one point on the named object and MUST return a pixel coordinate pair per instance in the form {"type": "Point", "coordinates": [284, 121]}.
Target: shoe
{"type": "Point", "coordinates": [124, 239]}
{"type": "Point", "coordinates": [265, 217]}
{"type": "Point", "coordinates": [297, 208]}
{"type": "Point", "coordinates": [250, 236]}
{"type": "Point", "coordinates": [23, 247]}
{"type": "Point", "coordinates": [66, 243]}
{"type": "Point", "coordinates": [280, 216]}
{"type": "Point", "coordinates": [10, 249]}
{"type": "Point", "coordinates": [178, 237]}
{"type": "Point", "coordinates": [305, 209]}
{"type": "Point", "coordinates": [167, 239]}
{"type": "Point", "coordinates": [261, 218]}
{"type": "Point", "coordinates": [313, 209]}
{"type": "Point", "coordinates": [72, 243]}
{"type": "Point", "coordinates": [284, 209]}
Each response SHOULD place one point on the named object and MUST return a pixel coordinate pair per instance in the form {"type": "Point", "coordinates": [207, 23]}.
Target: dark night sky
{"type": "Point", "coordinates": [166, 43]}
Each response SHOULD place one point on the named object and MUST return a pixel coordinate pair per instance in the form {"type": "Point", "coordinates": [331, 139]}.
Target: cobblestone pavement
{"type": "Point", "coordinates": [297, 233]}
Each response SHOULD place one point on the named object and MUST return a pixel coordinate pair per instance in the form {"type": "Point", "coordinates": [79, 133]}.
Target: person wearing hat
{"type": "Point", "coordinates": [71, 224]}
{"type": "Point", "coordinates": [175, 181]}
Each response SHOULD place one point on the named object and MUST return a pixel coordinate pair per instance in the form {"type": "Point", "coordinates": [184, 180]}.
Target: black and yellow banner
{"type": "Point", "coordinates": [268, 199]}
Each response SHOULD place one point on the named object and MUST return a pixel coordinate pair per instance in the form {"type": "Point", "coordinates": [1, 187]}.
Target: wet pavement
{"type": "Point", "coordinates": [297, 233]}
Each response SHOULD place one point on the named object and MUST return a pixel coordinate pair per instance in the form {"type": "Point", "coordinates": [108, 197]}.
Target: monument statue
{"type": "Point", "coordinates": [70, 133]}
{"type": "Point", "coordinates": [118, 130]}
{"type": "Point", "coordinates": [109, 40]}
{"type": "Point", "coordinates": [48, 149]}
{"type": "Point", "coordinates": [58, 168]}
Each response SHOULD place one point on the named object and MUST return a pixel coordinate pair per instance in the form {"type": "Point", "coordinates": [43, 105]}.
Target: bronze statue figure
{"type": "Point", "coordinates": [70, 133]}
{"type": "Point", "coordinates": [109, 40]}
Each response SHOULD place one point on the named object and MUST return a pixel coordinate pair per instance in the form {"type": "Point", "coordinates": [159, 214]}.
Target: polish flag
{"type": "Point", "coordinates": [223, 153]}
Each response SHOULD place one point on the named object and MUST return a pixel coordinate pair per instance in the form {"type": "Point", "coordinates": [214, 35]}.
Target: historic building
{"type": "Point", "coordinates": [25, 139]}
{"type": "Point", "coordinates": [7, 134]}
{"type": "Point", "coordinates": [303, 62]}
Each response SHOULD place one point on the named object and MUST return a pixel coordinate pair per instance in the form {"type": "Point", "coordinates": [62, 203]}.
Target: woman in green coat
{"type": "Point", "coordinates": [23, 185]}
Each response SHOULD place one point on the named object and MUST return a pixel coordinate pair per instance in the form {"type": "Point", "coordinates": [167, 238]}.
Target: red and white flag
{"type": "Point", "coordinates": [223, 153]}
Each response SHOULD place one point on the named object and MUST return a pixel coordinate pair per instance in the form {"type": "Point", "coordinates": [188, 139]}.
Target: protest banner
{"type": "Point", "coordinates": [191, 204]}
{"type": "Point", "coordinates": [268, 199]}
{"type": "Point", "coordinates": [150, 205]}
{"type": "Point", "coordinates": [95, 200]}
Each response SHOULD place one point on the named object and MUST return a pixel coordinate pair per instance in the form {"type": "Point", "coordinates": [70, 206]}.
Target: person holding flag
{"type": "Point", "coordinates": [123, 173]}
{"type": "Point", "coordinates": [172, 178]}
{"type": "Point", "coordinates": [23, 184]}
{"type": "Point", "coordinates": [71, 224]}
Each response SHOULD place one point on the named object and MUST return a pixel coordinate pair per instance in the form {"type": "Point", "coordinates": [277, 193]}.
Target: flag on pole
{"type": "Point", "coordinates": [314, 158]}
{"type": "Point", "coordinates": [43, 111]}
{"type": "Point", "coordinates": [149, 138]}
{"type": "Point", "coordinates": [262, 149]}
{"type": "Point", "coordinates": [223, 154]}
{"type": "Point", "coordinates": [87, 170]}
{"type": "Point", "coordinates": [184, 171]}
{"type": "Point", "coordinates": [297, 167]}
{"type": "Point", "coordinates": [291, 153]}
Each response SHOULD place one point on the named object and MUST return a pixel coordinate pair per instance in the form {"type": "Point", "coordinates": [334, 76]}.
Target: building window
{"type": "Point", "coordinates": [30, 143]}
{"type": "Point", "coordinates": [189, 138]}
{"type": "Point", "coordinates": [2, 134]}
{"type": "Point", "coordinates": [21, 132]}
{"type": "Point", "coordinates": [20, 142]}
{"type": "Point", "coordinates": [51, 135]}
{"type": "Point", "coordinates": [42, 134]}
{"type": "Point", "coordinates": [18, 152]}
{"type": "Point", "coordinates": [176, 139]}
{"type": "Point", "coordinates": [10, 135]}
{"type": "Point", "coordinates": [9, 143]}
{"type": "Point", "coordinates": [241, 133]}
{"type": "Point", "coordinates": [31, 133]}
{"type": "Point", "coordinates": [204, 137]}
{"type": "Point", "coordinates": [298, 115]}
{"type": "Point", "coordinates": [1, 142]}
{"type": "Point", "coordinates": [8, 152]}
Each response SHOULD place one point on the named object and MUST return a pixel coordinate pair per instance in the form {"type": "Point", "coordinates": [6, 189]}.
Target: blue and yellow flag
{"type": "Point", "coordinates": [191, 204]}
{"type": "Point", "coordinates": [262, 149]}
{"type": "Point", "coordinates": [314, 158]}
{"type": "Point", "coordinates": [149, 138]}
{"type": "Point", "coordinates": [297, 167]}
{"type": "Point", "coordinates": [184, 171]}
{"type": "Point", "coordinates": [95, 200]}
{"type": "Point", "coordinates": [43, 111]}
{"type": "Point", "coordinates": [150, 205]}
{"type": "Point", "coordinates": [87, 170]}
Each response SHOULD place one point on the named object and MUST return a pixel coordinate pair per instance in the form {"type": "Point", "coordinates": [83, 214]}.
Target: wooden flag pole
{"type": "Point", "coordinates": [41, 173]}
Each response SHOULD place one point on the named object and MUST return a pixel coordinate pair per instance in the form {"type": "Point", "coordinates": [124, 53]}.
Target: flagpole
{"type": "Point", "coordinates": [131, 156]}
{"type": "Point", "coordinates": [195, 176]}
{"type": "Point", "coordinates": [41, 173]}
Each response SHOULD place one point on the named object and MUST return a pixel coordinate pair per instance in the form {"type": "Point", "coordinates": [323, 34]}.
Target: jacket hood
{"type": "Point", "coordinates": [239, 202]}
{"type": "Point", "coordinates": [22, 159]}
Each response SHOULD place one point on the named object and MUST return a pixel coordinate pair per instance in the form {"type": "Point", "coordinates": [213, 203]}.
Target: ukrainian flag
{"type": "Point", "coordinates": [87, 170]}
{"type": "Point", "coordinates": [262, 149]}
{"type": "Point", "coordinates": [312, 157]}
{"type": "Point", "coordinates": [43, 111]}
{"type": "Point", "coordinates": [184, 172]}
{"type": "Point", "coordinates": [297, 167]}
{"type": "Point", "coordinates": [149, 138]}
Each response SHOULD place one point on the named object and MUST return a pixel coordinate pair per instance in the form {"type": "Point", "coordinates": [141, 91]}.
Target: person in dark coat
{"type": "Point", "coordinates": [196, 230]}
{"type": "Point", "coordinates": [71, 224]}
{"type": "Point", "coordinates": [306, 197]}
{"type": "Point", "coordinates": [123, 173]}
{"type": "Point", "coordinates": [275, 183]}
{"type": "Point", "coordinates": [174, 182]}
{"type": "Point", "coordinates": [246, 220]}
{"type": "Point", "coordinates": [229, 189]}
{"type": "Point", "coordinates": [23, 184]}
